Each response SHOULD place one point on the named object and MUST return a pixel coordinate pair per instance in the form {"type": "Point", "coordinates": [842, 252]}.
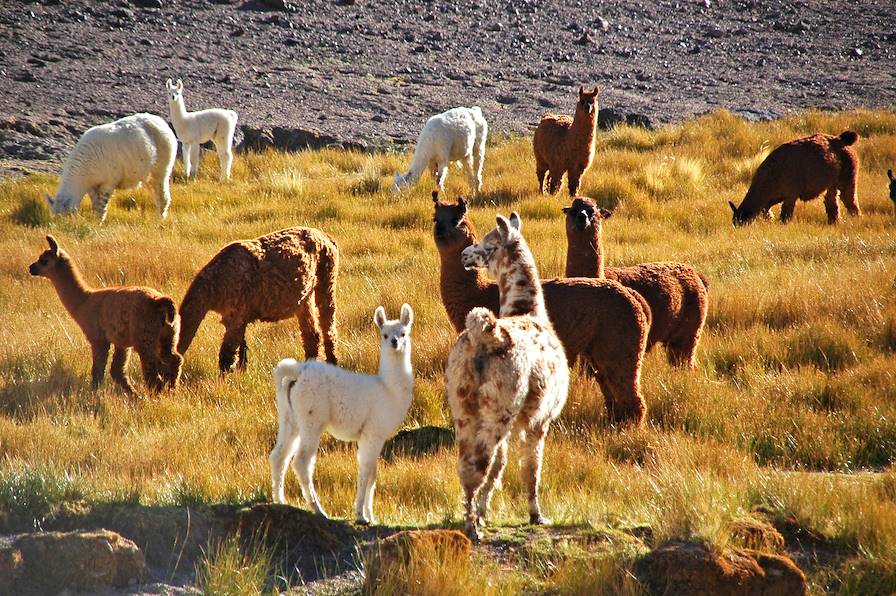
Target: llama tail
{"type": "Point", "coordinates": [848, 137]}
{"type": "Point", "coordinates": [286, 373]}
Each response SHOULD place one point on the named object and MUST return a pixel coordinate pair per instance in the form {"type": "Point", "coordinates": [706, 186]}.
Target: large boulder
{"type": "Point", "coordinates": [393, 559]}
{"type": "Point", "coordinates": [49, 562]}
{"type": "Point", "coordinates": [693, 569]}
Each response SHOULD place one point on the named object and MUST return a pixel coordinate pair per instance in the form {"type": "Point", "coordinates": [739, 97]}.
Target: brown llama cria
{"type": "Point", "coordinates": [124, 317]}
{"type": "Point", "coordinates": [565, 145]}
{"type": "Point", "coordinates": [288, 273]}
{"type": "Point", "coordinates": [892, 186]}
{"type": "Point", "coordinates": [676, 292]}
{"type": "Point", "coordinates": [802, 170]}
{"type": "Point", "coordinates": [504, 376]}
{"type": "Point", "coordinates": [597, 320]}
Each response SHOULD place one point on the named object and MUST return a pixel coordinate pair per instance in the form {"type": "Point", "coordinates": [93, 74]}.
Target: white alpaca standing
{"type": "Point", "coordinates": [313, 397]}
{"type": "Point", "coordinates": [120, 154]}
{"type": "Point", "coordinates": [457, 135]}
{"type": "Point", "coordinates": [194, 128]}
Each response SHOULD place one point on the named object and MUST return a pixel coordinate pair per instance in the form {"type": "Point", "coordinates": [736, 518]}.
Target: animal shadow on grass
{"type": "Point", "coordinates": [24, 399]}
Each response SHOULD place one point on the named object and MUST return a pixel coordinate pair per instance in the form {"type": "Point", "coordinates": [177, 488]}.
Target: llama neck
{"type": "Point", "coordinates": [418, 165]}
{"type": "Point", "coordinates": [583, 126]}
{"type": "Point", "coordinates": [396, 371]}
{"type": "Point", "coordinates": [72, 290]}
{"type": "Point", "coordinates": [462, 289]}
{"type": "Point", "coordinates": [519, 283]}
{"type": "Point", "coordinates": [178, 111]}
{"type": "Point", "coordinates": [198, 300]}
{"type": "Point", "coordinates": [584, 255]}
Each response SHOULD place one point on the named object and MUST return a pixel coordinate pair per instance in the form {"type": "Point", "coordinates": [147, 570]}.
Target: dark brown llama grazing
{"type": "Point", "coordinates": [892, 186]}
{"type": "Point", "coordinates": [563, 144]}
{"type": "Point", "coordinates": [676, 292]}
{"type": "Point", "coordinates": [124, 317]}
{"type": "Point", "coordinates": [596, 319]}
{"type": "Point", "coordinates": [802, 170]}
{"type": "Point", "coordinates": [289, 273]}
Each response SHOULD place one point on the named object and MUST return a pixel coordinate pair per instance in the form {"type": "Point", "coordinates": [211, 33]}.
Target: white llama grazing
{"type": "Point", "coordinates": [194, 128]}
{"type": "Point", "coordinates": [313, 397]}
{"type": "Point", "coordinates": [456, 135]}
{"type": "Point", "coordinates": [504, 376]}
{"type": "Point", "coordinates": [120, 154]}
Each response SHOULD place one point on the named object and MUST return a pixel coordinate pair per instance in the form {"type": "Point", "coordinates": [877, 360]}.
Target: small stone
{"type": "Point", "coordinates": [585, 40]}
{"type": "Point", "coordinates": [507, 99]}
{"type": "Point", "coordinates": [856, 52]}
{"type": "Point", "coordinates": [147, 3]}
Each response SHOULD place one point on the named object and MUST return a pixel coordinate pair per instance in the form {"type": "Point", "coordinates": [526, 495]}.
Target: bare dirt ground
{"type": "Point", "coordinates": [367, 73]}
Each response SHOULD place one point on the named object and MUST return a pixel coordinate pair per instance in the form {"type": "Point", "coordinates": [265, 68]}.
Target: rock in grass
{"type": "Point", "coordinates": [693, 569]}
{"type": "Point", "coordinates": [50, 562]}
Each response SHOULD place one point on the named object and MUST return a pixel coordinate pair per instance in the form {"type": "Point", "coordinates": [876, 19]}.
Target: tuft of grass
{"type": "Point", "coordinates": [32, 212]}
{"type": "Point", "coordinates": [36, 491]}
{"type": "Point", "coordinates": [229, 570]}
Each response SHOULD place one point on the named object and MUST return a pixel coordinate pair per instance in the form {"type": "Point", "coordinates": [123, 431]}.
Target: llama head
{"type": "Point", "coordinates": [46, 263]}
{"type": "Point", "coordinates": [584, 215]}
{"type": "Point", "coordinates": [399, 181]}
{"type": "Point", "coordinates": [450, 224]}
{"type": "Point", "coordinates": [175, 90]}
{"type": "Point", "coordinates": [587, 101]}
{"type": "Point", "coordinates": [740, 216]}
{"type": "Point", "coordinates": [892, 185]}
{"type": "Point", "coordinates": [490, 251]}
{"type": "Point", "coordinates": [395, 335]}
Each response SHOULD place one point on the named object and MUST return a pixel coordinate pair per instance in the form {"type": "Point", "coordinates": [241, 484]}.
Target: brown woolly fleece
{"type": "Point", "coordinates": [598, 320]}
{"type": "Point", "coordinates": [676, 292]}
{"type": "Point", "coordinates": [563, 144]}
{"type": "Point", "coordinates": [124, 317]}
{"type": "Point", "coordinates": [802, 170]}
{"type": "Point", "coordinates": [892, 186]}
{"type": "Point", "coordinates": [288, 273]}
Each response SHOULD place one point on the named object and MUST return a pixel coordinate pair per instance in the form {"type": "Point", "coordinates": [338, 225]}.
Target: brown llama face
{"type": "Point", "coordinates": [47, 261]}
{"type": "Point", "coordinates": [583, 214]}
{"type": "Point", "coordinates": [450, 222]}
{"type": "Point", "coordinates": [587, 100]}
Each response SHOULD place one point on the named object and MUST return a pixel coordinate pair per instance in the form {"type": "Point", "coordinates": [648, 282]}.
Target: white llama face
{"type": "Point", "coordinates": [395, 335]}
{"type": "Point", "coordinates": [487, 253]}
{"type": "Point", "coordinates": [175, 90]}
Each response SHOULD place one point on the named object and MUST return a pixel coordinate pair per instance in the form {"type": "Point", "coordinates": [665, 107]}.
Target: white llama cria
{"type": "Point", "coordinates": [504, 376]}
{"type": "Point", "coordinates": [194, 128]}
{"type": "Point", "coordinates": [313, 397]}
{"type": "Point", "coordinates": [457, 135]}
{"type": "Point", "coordinates": [120, 154]}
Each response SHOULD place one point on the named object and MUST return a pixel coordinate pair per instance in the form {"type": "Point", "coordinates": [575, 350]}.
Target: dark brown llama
{"type": "Point", "coordinates": [566, 145]}
{"type": "Point", "coordinates": [802, 170]}
{"type": "Point", "coordinates": [289, 273]}
{"type": "Point", "coordinates": [892, 186]}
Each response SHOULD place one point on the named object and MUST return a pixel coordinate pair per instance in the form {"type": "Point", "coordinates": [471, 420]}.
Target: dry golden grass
{"type": "Point", "coordinates": [795, 371]}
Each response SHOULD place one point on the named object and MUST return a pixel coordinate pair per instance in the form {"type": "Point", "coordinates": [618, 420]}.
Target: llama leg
{"type": "Point", "coordinates": [185, 155]}
{"type": "Point", "coordinates": [303, 466]}
{"type": "Point", "coordinates": [119, 362]}
{"type": "Point", "coordinates": [492, 481]}
{"type": "Point", "coordinates": [101, 204]}
{"type": "Point", "coordinates": [161, 190]}
{"type": "Point", "coordinates": [368, 454]}
{"type": "Point", "coordinates": [307, 315]}
{"type": "Point", "coordinates": [848, 193]}
{"type": "Point", "coordinates": [830, 205]}
{"type": "Point", "coordinates": [555, 180]}
{"type": "Point", "coordinates": [541, 170]}
{"type": "Point", "coordinates": [441, 174]}
{"type": "Point", "coordinates": [476, 450]}
{"type": "Point", "coordinates": [283, 451]}
{"type": "Point", "coordinates": [530, 471]}
{"type": "Point", "coordinates": [478, 163]}
{"type": "Point", "coordinates": [573, 181]}
{"type": "Point", "coordinates": [325, 299]}
{"type": "Point", "coordinates": [787, 210]}
{"type": "Point", "coordinates": [194, 158]}
{"type": "Point", "coordinates": [225, 158]}
{"type": "Point", "coordinates": [234, 340]}
{"type": "Point", "coordinates": [100, 352]}
{"type": "Point", "coordinates": [470, 173]}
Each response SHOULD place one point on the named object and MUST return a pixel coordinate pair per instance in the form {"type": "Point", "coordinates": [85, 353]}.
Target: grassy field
{"type": "Point", "coordinates": [792, 408]}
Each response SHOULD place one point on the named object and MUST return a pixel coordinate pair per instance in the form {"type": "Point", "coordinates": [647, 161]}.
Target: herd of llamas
{"type": "Point", "coordinates": [518, 335]}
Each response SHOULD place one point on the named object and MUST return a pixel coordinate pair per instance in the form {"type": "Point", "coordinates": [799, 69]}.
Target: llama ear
{"type": "Point", "coordinates": [435, 197]}
{"type": "Point", "coordinates": [566, 209]}
{"type": "Point", "coordinates": [890, 175]}
{"type": "Point", "coordinates": [407, 315]}
{"type": "Point", "coordinates": [379, 317]}
{"type": "Point", "coordinates": [180, 85]}
{"type": "Point", "coordinates": [54, 246]}
{"type": "Point", "coordinates": [605, 213]}
{"type": "Point", "coordinates": [463, 203]}
{"type": "Point", "coordinates": [503, 225]}
{"type": "Point", "coordinates": [733, 208]}
{"type": "Point", "coordinates": [515, 222]}
{"type": "Point", "coordinates": [168, 84]}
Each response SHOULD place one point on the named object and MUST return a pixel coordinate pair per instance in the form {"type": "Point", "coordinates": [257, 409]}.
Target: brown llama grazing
{"type": "Point", "coordinates": [288, 273]}
{"type": "Point", "coordinates": [504, 376]}
{"type": "Point", "coordinates": [802, 170]}
{"type": "Point", "coordinates": [676, 292]}
{"type": "Point", "coordinates": [598, 320]}
{"type": "Point", "coordinates": [892, 186]}
{"type": "Point", "coordinates": [566, 145]}
{"type": "Point", "coordinates": [124, 317]}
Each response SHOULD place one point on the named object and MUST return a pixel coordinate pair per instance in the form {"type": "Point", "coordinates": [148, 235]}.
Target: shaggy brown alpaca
{"type": "Point", "coordinates": [596, 319]}
{"type": "Point", "coordinates": [892, 186]}
{"type": "Point", "coordinates": [676, 293]}
{"type": "Point", "coordinates": [563, 144]}
{"type": "Point", "coordinates": [124, 317]}
{"type": "Point", "coordinates": [289, 273]}
{"type": "Point", "coordinates": [504, 376]}
{"type": "Point", "coordinates": [802, 170]}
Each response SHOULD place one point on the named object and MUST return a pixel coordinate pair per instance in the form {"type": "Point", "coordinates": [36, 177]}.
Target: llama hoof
{"type": "Point", "coordinates": [537, 519]}
{"type": "Point", "coordinates": [473, 533]}
{"type": "Point", "coordinates": [360, 521]}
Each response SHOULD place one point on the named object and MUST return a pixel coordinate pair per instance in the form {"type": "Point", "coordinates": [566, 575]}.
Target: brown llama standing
{"type": "Point", "coordinates": [289, 273]}
{"type": "Point", "coordinates": [124, 317]}
{"type": "Point", "coordinates": [676, 292]}
{"type": "Point", "coordinates": [802, 170]}
{"type": "Point", "coordinates": [597, 320]}
{"type": "Point", "coordinates": [504, 375]}
{"type": "Point", "coordinates": [563, 144]}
